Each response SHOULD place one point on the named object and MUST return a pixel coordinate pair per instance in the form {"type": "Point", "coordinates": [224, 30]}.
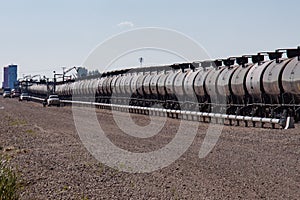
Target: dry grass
{"type": "Point", "coordinates": [9, 185]}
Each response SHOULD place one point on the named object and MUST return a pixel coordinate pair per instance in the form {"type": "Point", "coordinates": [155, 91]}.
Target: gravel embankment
{"type": "Point", "coordinates": [246, 163]}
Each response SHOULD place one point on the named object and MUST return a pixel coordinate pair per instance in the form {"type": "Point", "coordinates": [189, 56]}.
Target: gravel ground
{"type": "Point", "coordinates": [246, 163]}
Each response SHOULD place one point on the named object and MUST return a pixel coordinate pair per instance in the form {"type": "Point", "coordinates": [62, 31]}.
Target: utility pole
{"type": "Point", "coordinates": [141, 59]}
{"type": "Point", "coordinates": [54, 81]}
{"type": "Point", "coordinates": [63, 68]}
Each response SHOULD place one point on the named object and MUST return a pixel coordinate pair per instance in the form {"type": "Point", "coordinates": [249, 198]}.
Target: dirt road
{"type": "Point", "coordinates": [246, 163]}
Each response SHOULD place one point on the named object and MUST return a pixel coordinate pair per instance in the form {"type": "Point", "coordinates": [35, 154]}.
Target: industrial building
{"type": "Point", "coordinates": [10, 76]}
{"type": "Point", "coordinates": [5, 78]}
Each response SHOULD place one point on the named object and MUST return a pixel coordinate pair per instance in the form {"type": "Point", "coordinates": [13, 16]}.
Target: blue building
{"type": "Point", "coordinates": [5, 78]}
{"type": "Point", "coordinates": [10, 76]}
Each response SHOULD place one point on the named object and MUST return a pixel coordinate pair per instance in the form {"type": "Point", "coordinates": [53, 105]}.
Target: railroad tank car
{"type": "Point", "coordinates": [100, 85]}
{"type": "Point", "coordinates": [94, 86]}
{"type": "Point", "coordinates": [67, 91]}
{"type": "Point", "coordinates": [104, 85]}
{"type": "Point", "coordinates": [238, 83]}
{"type": "Point", "coordinates": [211, 81]}
{"type": "Point", "coordinates": [108, 86]}
{"type": "Point", "coordinates": [254, 80]}
{"type": "Point", "coordinates": [134, 82]}
{"type": "Point", "coordinates": [139, 84]}
{"type": "Point", "coordinates": [188, 84]}
{"type": "Point", "coordinates": [154, 84]}
{"type": "Point", "coordinates": [178, 84]}
{"type": "Point", "coordinates": [80, 87]}
{"type": "Point", "coordinates": [169, 84]}
{"type": "Point", "coordinates": [199, 82]}
{"type": "Point", "coordinates": [84, 87]}
{"type": "Point", "coordinates": [88, 87]}
{"type": "Point", "coordinates": [291, 77]}
{"type": "Point", "coordinates": [272, 83]}
{"type": "Point", "coordinates": [113, 85]}
{"type": "Point", "coordinates": [117, 86]}
{"type": "Point", "coordinates": [161, 84]}
{"type": "Point", "coordinates": [127, 85]}
{"type": "Point", "coordinates": [224, 81]}
{"type": "Point", "coordinates": [122, 85]}
{"type": "Point", "coordinates": [291, 85]}
{"type": "Point", "coordinates": [76, 88]}
{"type": "Point", "coordinates": [146, 84]}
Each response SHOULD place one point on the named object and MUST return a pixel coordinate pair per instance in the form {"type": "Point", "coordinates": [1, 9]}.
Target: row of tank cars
{"type": "Point", "coordinates": [262, 88]}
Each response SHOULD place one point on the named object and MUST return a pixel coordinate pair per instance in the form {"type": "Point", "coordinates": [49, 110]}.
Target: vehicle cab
{"type": "Point", "coordinates": [53, 100]}
{"type": "Point", "coordinates": [6, 94]}
{"type": "Point", "coordinates": [14, 93]}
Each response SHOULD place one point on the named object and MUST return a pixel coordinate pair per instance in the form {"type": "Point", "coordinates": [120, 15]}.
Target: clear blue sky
{"type": "Point", "coordinates": [42, 36]}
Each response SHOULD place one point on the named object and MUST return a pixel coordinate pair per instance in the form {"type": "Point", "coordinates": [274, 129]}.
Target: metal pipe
{"type": "Point", "coordinates": [182, 112]}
